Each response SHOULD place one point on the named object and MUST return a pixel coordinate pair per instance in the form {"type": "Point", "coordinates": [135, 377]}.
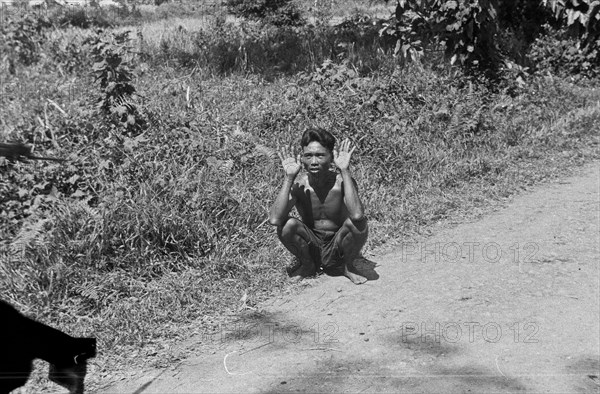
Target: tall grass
{"type": "Point", "coordinates": [224, 47]}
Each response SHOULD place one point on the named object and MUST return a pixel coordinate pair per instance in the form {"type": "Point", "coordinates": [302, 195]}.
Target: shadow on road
{"type": "Point", "coordinates": [406, 365]}
{"type": "Point", "coordinates": [366, 268]}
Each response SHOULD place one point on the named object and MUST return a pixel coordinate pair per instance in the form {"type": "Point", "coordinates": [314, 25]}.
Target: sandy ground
{"type": "Point", "coordinates": [509, 303]}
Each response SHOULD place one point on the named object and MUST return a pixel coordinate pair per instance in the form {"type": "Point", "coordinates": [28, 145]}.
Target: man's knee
{"type": "Point", "coordinates": [289, 228]}
{"type": "Point", "coordinates": [357, 228]}
{"type": "Point", "coordinates": [355, 235]}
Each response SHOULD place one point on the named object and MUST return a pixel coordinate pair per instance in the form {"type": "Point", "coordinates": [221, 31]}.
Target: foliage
{"type": "Point", "coordinates": [275, 12]}
{"type": "Point", "coordinates": [177, 9]}
{"type": "Point", "coordinates": [268, 50]}
{"type": "Point", "coordinates": [478, 34]}
{"type": "Point", "coordinates": [331, 74]}
{"type": "Point", "coordinates": [582, 17]}
{"type": "Point", "coordinates": [582, 21]}
{"type": "Point", "coordinates": [113, 71]}
{"type": "Point", "coordinates": [559, 53]}
{"type": "Point", "coordinates": [81, 17]}
{"type": "Point", "coordinates": [21, 38]}
{"type": "Point", "coordinates": [524, 18]}
{"type": "Point", "coordinates": [69, 55]}
{"type": "Point", "coordinates": [466, 29]}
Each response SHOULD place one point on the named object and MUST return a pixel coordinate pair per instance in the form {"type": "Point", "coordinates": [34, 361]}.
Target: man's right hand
{"type": "Point", "coordinates": [291, 164]}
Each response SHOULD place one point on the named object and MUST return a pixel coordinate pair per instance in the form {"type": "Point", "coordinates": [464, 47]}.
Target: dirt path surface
{"type": "Point", "coordinates": [506, 304]}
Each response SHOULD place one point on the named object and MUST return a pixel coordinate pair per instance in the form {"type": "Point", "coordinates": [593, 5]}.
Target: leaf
{"type": "Point", "coordinates": [572, 15]}
{"type": "Point", "coordinates": [398, 47]}
{"type": "Point", "coordinates": [53, 192]}
{"type": "Point", "coordinates": [78, 193]}
{"type": "Point", "coordinates": [130, 144]}
{"type": "Point", "coordinates": [28, 236]}
{"type": "Point", "coordinates": [451, 5]}
{"type": "Point", "coordinates": [265, 151]}
{"type": "Point", "coordinates": [104, 165]}
{"type": "Point", "coordinates": [121, 110]}
{"type": "Point", "coordinates": [492, 12]}
{"type": "Point", "coordinates": [99, 66]}
{"type": "Point", "coordinates": [73, 179]}
{"type": "Point", "coordinates": [226, 166]}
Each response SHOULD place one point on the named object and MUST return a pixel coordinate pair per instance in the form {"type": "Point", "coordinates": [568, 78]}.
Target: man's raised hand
{"type": "Point", "coordinates": [341, 157]}
{"type": "Point", "coordinates": [291, 164]}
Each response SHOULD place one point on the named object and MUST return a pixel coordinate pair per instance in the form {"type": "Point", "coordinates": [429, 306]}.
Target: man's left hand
{"type": "Point", "coordinates": [341, 157]}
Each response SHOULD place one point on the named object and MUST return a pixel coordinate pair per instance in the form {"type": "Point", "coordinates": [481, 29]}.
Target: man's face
{"type": "Point", "coordinates": [316, 158]}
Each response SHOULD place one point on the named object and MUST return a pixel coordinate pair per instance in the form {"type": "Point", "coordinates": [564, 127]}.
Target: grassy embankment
{"type": "Point", "coordinates": [142, 239]}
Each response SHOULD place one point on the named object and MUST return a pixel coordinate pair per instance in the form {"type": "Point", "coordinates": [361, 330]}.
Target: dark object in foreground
{"type": "Point", "coordinates": [22, 152]}
{"type": "Point", "coordinates": [23, 339]}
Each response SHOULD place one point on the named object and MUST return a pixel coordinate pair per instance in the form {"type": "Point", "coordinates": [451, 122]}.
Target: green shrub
{"type": "Point", "coordinates": [83, 18]}
{"type": "Point", "coordinates": [180, 9]}
{"type": "Point", "coordinates": [561, 54]}
{"type": "Point", "coordinates": [525, 19]}
{"type": "Point", "coordinates": [275, 12]}
{"type": "Point", "coordinates": [21, 38]}
{"type": "Point", "coordinates": [68, 51]}
{"type": "Point", "coordinates": [113, 71]}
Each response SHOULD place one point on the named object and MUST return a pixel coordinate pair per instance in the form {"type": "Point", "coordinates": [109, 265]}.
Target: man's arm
{"type": "Point", "coordinates": [353, 204]}
{"type": "Point", "coordinates": [342, 161]}
{"type": "Point", "coordinates": [283, 203]}
{"type": "Point", "coordinates": [285, 199]}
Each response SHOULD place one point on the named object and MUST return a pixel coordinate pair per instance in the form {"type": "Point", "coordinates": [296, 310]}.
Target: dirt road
{"type": "Point", "coordinates": [509, 303]}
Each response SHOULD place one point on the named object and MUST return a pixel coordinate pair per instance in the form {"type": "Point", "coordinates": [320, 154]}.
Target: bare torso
{"type": "Point", "coordinates": [321, 208]}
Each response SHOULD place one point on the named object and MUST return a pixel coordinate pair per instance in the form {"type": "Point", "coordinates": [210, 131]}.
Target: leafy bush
{"type": "Point", "coordinates": [21, 38]}
{"type": "Point", "coordinates": [68, 51]}
{"type": "Point", "coordinates": [83, 18]}
{"type": "Point", "coordinates": [563, 55]}
{"type": "Point", "coordinates": [275, 12]}
{"type": "Point", "coordinates": [466, 29]}
{"type": "Point", "coordinates": [469, 30]}
{"type": "Point", "coordinates": [178, 9]}
{"type": "Point", "coordinates": [524, 18]}
{"type": "Point", "coordinates": [577, 42]}
{"type": "Point", "coordinates": [113, 71]}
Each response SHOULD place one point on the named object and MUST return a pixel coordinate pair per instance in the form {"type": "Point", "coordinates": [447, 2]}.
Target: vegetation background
{"type": "Point", "coordinates": [170, 115]}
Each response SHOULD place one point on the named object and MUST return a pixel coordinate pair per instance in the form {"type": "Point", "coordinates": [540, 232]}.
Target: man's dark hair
{"type": "Point", "coordinates": [320, 135]}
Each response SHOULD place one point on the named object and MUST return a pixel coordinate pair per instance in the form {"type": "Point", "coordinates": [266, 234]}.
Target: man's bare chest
{"type": "Point", "coordinates": [321, 201]}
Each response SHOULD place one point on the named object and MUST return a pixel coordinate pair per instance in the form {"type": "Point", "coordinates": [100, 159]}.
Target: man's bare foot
{"type": "Point", "coordinates": [307, 269]}
{"type": "Point", "coordinates": [294, 265]}
{"type": "Point", "coordinates": [355, 278]}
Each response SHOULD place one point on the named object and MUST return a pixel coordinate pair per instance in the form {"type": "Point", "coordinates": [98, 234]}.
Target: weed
{"type": "Point", "coordinates": [275, 12]}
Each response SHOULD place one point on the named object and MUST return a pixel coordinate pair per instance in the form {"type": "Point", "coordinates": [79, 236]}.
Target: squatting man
{"type": "Point", "coordinates": [333, 227]}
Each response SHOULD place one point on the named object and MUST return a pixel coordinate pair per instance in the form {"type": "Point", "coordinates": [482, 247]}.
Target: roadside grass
{"type": "Point", "coordinates": [145, 240]}
{"type": "Point", "coordinates": [320, 11]}
{"type": "Point", "coordinates": [223, 45]}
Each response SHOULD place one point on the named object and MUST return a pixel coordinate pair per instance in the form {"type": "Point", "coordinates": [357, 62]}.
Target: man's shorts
{"type": "Point", "coordinates": [324, 247]}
